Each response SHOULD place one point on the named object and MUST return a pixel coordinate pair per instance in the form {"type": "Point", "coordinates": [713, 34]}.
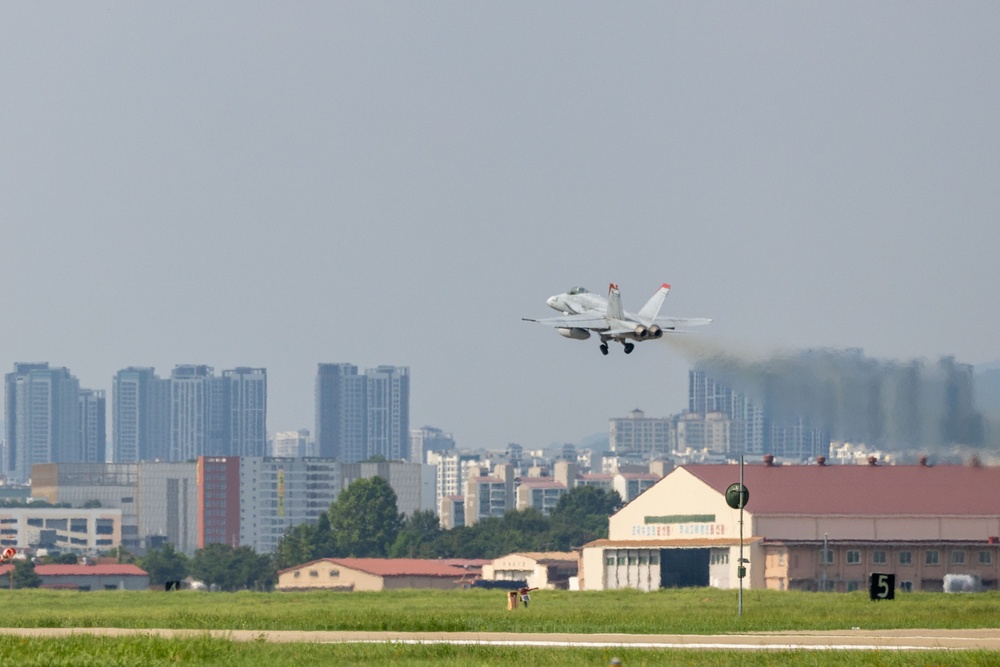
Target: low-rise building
{"type": "Point", "coordinates": [540, 493]}
{"type": "Point", "coordinates": [805, 527]}
{"type": "Point", "coordinates": [552, 569]}
{"type": "Point", "coordinates": [62, 529]}
{"type": "Point", "coordinates": [111, 577]}
{"type": "Point", "coordinates": [373, 574]}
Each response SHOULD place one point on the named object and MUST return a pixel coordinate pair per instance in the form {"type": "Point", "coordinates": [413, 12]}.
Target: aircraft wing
{"type": "Point", "coordinates": [671, 322]}
{"type": "Point", "coordinates": [581, 321]}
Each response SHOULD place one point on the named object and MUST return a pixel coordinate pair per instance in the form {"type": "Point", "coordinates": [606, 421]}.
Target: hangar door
{"type": "Point", "coordinates": [682, 568]}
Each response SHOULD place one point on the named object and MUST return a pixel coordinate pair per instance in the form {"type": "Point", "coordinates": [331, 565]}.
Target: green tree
{"type": "Point", "coordinates": [581, 516]}
{"type": "Point", "coordinates": [24, 574]}
{"type": "Point", "coordinates": [323, 545]}
{"type": "Point", "coordinates": [232, 569]}
{"type": "Point", "coordinates": [418, 538]}
{"type": "Point", "coordinates": [164, 564]}
{"type": "Point", "coordinates": [121, 554]}
{"type": "Point", "coordinates": [296, 546]}
{"type": "Point", "coordinates": [68, 558]}
{"type": "Point", "coordinates": [364, 520]}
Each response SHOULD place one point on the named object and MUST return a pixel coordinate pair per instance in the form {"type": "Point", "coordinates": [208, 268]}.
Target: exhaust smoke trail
{"type": "Point", "coordinates": [894, 405]}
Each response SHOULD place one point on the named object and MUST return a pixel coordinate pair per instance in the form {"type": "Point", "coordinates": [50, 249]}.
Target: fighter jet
{"type": "Point", "coordinates": [585, 312]}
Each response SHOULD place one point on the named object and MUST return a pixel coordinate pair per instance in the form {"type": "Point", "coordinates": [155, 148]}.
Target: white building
{"type": "Point", "coordinates": [805, 527]}
{"type": "Point", "coordinates": [278, 493]}
{"type": "Point", "coordinates": [64, 529]}
{"type": "Point", "coordinates": [292, 444]}
{"type": "Point", "coordinates": [641, 435]}
{"type": "Point", "coordinates": [452, 470]}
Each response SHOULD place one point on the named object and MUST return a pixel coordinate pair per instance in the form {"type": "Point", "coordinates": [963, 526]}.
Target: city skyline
{"type": "Point", "coordinates": [279, 186]}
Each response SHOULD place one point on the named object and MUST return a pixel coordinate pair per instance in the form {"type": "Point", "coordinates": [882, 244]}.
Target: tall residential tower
{"type": "Point", "coordinates": [361, 416]}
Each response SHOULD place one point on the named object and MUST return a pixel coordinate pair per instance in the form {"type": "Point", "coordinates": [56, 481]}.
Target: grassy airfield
{"type": "Point", "coordinates": [684, 611]}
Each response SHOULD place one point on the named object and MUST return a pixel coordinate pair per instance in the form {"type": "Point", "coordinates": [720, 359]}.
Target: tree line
{"type": "Point", "coordinates": [364, 522]}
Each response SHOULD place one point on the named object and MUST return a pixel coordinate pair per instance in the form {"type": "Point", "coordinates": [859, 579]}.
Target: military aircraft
{"type": "Point", "coordinates": [586, 312]}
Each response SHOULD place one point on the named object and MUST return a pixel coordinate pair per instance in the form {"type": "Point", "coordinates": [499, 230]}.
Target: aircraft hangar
{"type": "Point", "coordinates": [805, 527]}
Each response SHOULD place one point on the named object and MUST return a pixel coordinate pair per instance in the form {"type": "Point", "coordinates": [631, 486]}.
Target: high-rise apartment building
{"type": "Point", "coordinates": [190, 414]}
{"type": "Point", "coordinates": [388, 410]}
{"type": "Point", "coordinates": [341, 420]}
{"type": "Point", "coordinates": [140, 423]}
{"type": "Point", "coordinates": [361, 416]}
{"type": "Point", "coordinates": [728, 421]}
{"type": "Point", "coordinates": [42, 418]}
{"type": "Point", "coordinates": [429, 439]}
{"type": "Point", "coordinates": [191, 394]}
{"type": "Point", "coordinates": [93, 425]}
{"type": "Point", "coordinates": [245, 407]}
{"type": "Point", "coordinates": [747, 428]}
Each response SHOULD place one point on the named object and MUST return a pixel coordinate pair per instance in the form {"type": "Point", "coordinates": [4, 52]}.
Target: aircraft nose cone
{"type": "Point", "coordinates": [552, 301]}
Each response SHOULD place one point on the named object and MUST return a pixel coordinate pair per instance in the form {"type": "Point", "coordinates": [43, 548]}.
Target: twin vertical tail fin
{"type": "Point", "coordinates": [652, 307]}
{"type": "Point", "coordinates": [615, 310]}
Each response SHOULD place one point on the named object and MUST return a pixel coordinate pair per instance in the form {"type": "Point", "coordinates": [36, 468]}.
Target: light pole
{"type": "Point", "coordinates": [737, 496]}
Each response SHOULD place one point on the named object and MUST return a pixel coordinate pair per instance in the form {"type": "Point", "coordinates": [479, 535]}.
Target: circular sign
{"type": "Point", "coordinates": [8, 553]}
{"type": "Point", "coordinates": [737, 496]}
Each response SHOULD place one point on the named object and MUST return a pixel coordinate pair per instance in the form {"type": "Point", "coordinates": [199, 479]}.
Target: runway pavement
{"type": "Point", "coordinates": [904, 640]}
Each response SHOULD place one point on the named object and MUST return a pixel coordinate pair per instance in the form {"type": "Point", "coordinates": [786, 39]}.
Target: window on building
{"type": "Point", "coordinates": [853, 557]}
{"type": "Point", "coordinates": [621, 560]}
{"type": "Point", "coordinates": [985, 558]}
{"type": "Point", "coordinates": [958, 558]}
{"type": "Point", "coordinates": [313, 573]}
{"type": "Point", "coordinates": [853, 586]}
{"type": "Point", "coordinates": [334, 573]}
{"type": "Point", "coordinates": [826, 556]}
{"type": "Point", "coordinates": [906, 558]}
{"type": "Point", "coordinates": [906, 586]}
{"type": "Point", "coordinates": [654, 559]}
{"type": "Point", "coordinates": [932, 557]}
{"type": "Point", "coordinates": [878, 557]}
{"type": "Point", "coordinates": [609, 560]}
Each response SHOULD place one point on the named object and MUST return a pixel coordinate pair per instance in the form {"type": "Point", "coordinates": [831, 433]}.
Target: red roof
{"type": "Point", "coordinates": [391, 567]}
{"type": "Point", "coordinates": [947, 490]}
{"type": "Point", "coordinates": [108, 570]}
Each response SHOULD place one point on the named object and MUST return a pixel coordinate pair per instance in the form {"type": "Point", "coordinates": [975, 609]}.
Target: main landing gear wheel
{"type": "Point", "coordinates": [604, 349]}
{"type": "Point", "coordinates": [629, 347]}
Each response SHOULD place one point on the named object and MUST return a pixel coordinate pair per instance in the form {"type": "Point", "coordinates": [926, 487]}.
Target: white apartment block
{"type": "Point", "coordinates": [278, 493]}
{"type": "Point", "coordinates": [63, 529]}
{"type": "Point", "coordinates": [638, 434]}
{"type": "Point", "coordinates": [292, 444]}
{"type": "Point", "coordinates": [452, 470]}
{"type": "Point", "coordinates": [542, 494]}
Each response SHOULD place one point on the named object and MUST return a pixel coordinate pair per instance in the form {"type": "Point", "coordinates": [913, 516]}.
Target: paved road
{"type": "Point", "coordinates": [988, 639]}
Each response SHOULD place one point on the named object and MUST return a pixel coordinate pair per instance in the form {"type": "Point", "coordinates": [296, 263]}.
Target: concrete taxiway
{"type": "Point", "coordinates": [900, 640]}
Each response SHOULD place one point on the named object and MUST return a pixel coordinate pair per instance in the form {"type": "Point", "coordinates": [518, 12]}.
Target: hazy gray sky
{"type": "Point", "coordinates": [283, 184]}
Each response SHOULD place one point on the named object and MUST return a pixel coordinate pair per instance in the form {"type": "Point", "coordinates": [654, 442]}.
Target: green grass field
{"type": "Point", "coordinates": [679, 611]}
